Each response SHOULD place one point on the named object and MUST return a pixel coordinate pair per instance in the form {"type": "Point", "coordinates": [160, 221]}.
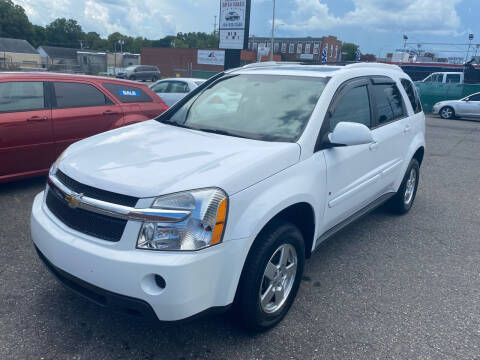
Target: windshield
{"type": "Point", "coordinates": [263, 107]}
{"type": "Point", "coordinates": [130, 68]}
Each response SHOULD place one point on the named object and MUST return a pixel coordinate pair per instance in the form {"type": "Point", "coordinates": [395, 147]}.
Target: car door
{"type": "Point", "coordinates": [26, 138]}
{"type": "Point", "coordinates": [469, 106]}
{"type": "Point", "coordinates": [392, 131]}
{"type": "Point", "coordinates": [161, 89]}
{"type": "Point", "coordinates": [352, 171]}
{"type": "Point", "coordinates": [81, 110]}
{"type": "Point", "coordinates": [177, 90]}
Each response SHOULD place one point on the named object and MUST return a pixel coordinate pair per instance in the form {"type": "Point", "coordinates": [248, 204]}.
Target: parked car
{"type": "Point", "coordinates": [172, 90]}
{"type": "Point", "coordinates": [468, 106]}
{"type": "Point", "coordinates": [197, 211]}
{"type": "Point", "coordinates": [43, 113]}
{"type": "Point", "coordinates": [140, 72]}
{"type": "Point", "coordinates": [445, 78]}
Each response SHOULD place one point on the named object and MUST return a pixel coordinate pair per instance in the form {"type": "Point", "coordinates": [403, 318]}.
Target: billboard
{"type": "Point", "coordinates": [234, 23]}
{"type": "Point", "coordinates": [211, 57]}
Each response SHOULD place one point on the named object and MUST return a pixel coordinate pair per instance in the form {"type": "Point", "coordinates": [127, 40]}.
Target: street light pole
{"type": "Point", "coordinates": [470, 37]}
{"type": "Point", "coordinates": [273, 32]}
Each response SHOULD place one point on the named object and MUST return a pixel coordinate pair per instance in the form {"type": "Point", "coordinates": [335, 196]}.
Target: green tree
{"type": "Point", "coordinates": [39, 36]}
{"type": "Point", "coordinates": [93, 41]}
{"type": "Point", "coordinates": [63, 32]}
{"type": "Point", "coordinates": [14, 22]}
{"type": "Point", "coordinates": [350, 50]}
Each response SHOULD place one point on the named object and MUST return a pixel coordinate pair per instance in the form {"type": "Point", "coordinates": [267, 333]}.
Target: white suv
{"type": "Point", "coordinates": [220, 200]}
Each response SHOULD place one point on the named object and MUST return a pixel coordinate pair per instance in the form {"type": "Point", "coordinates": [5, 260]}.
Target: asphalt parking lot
{"type": "Point", "coordinates": [387, 287]}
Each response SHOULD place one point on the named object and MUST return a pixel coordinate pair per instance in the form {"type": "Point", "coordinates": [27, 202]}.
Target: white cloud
{"type": "Point", "coordinates": [425, 16]}
{"type": "Point", "coordinates": [149, 18]}
{"type": "Point", "coordinates": [310, 15]}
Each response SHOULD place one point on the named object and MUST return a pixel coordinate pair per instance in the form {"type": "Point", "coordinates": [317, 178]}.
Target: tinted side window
{"type": "Point", "coordinates": [127, 93]}
{"type": "Point", "coordinates": [71, 95]}
{"type": "Point", "coordinates": [354, 106]}
{"type": "Point", "coordinates": [160, 87]}
{"type": "Point", "coordinates": [21, 96]}
{"type": "Point", "coordinates": [388, 102]}
{"type": "Point", "coordinates": [453, 78]}
{"type": "Point", "coordinates": [475, 97]}
{"type": "Point", "coordinates": [179, 87]}
{"type": "Point", "coordinates": [412, 95]}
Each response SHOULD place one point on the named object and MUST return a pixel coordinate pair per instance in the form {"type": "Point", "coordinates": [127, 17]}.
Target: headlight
{"type": "Point", "coordinates": [202, 228]}
{"type": "Point", "coordinates": [53, 168]}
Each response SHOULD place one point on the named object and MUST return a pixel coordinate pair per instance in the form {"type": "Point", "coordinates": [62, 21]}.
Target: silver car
{"type": "Point", "coordinates": [140, 72]}
{"type": "Point", "coordinates": [468, 106]}
{"type": "Point", "coordinates": [172, 90]}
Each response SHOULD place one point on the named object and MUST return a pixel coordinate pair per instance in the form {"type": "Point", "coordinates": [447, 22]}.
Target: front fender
{"type": "Point", "coordinates": [251, 209]}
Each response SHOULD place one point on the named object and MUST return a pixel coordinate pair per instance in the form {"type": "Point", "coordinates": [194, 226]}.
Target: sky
{"type": "Point", "coordinates": [376, 25]}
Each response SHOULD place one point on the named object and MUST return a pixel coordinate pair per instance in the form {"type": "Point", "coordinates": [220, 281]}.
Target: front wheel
{"type": "Point", "coordinates": [132, 77]}
{"type": "Point", "coordinates": [447, 112]}
{"type": "Point", "coordinates": [271, 276]}
{"type": "Point", "coordinates": [402, 201]}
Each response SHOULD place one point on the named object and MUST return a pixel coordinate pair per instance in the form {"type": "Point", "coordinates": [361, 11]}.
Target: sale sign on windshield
{"type": "Point", "coordinates": [233, 23]}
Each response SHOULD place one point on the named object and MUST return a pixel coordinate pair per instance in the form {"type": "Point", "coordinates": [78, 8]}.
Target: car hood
{"type": "Point", "coordinates": [150, 159]}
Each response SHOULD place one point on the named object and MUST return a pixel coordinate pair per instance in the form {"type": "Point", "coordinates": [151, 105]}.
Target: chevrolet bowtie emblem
{"type": "Point", "coordinates": [73, 199]}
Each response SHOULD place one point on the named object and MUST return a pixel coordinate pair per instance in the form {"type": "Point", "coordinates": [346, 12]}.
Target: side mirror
{"type": "Point", "coordinates": [466, 99]}
{"type": "Point", "coordinates": [349, 134]}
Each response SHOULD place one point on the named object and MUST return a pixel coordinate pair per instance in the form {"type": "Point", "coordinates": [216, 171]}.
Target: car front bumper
{"type": "Point", "coordinates": [195, 280]}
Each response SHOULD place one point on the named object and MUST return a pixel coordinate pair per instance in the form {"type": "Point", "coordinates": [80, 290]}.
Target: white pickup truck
{"type": "Point", "coordinates": [221, 199]}
{"type": "Point", "coordinates": [445, 78]}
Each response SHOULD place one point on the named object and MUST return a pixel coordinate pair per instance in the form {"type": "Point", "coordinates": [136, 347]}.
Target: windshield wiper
{"type": "Point", "coordinates": [220, 132]}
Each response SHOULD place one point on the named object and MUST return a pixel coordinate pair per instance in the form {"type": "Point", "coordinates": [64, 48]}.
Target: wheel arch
{"type": "Point", "coordinates": [302, 215]}
{"type": "Point", "coordinates": [419, 154]}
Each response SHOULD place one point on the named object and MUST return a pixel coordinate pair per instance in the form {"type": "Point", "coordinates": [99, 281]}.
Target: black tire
{"type": "Point", "coordinates": [154, 78]}
{"type": "Point", "coordinates": [132, 77]}
{"type": "Point", "coordinates": [398, 204]}
{"type": "Point", "coordinates": [447, 112]}
{"type": "Point", "coordinates": [247, 307]}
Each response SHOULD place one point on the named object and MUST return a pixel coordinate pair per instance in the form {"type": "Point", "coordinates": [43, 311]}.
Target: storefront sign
{"type": "Point", "coordinates": [211, 57]}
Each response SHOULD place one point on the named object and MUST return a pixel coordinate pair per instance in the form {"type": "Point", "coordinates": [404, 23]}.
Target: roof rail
{"type": "Point", "coordinates": [374, 65]}
{"type": "Point", "coordinates": [268, 64]}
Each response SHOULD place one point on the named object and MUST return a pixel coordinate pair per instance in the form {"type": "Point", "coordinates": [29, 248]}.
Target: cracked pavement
{"type": "Point", "coordinates": [386, 287]}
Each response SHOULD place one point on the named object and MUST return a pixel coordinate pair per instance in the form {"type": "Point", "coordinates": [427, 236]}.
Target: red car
{"type": "Point", "coordinates": [42, 113]}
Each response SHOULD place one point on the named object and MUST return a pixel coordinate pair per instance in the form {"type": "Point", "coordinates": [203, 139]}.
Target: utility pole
{"type": "Point", "coordinates": [273, 32]}
{"type": "Point", "coordinates": [215, 26]}
{"type": "Point", "coordinates": [405, 38]}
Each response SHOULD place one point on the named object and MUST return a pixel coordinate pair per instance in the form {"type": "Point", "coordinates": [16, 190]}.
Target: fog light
{"type": "Point", "coordinates": [160, 281]}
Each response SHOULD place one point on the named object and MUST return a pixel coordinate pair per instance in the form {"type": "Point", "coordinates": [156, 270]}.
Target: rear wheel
{"type": "Point", "coordinates": [402, 202]}
{"type": "Point", "coordinates": [271, 276]}
{"type": "Point", "coordinates": [447, 112]}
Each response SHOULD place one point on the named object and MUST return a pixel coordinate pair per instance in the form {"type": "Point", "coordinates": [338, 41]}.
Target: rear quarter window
{"type": "Point", "coordinates": [127, 93]}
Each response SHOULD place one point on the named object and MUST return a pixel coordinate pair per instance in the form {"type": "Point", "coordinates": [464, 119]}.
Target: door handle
{"type": "Point", "coordinates": [407, 129]}
{"type": "Point", "coordinates": [373, 146]}
{"type": "Point", "coordinates": [37, 118]}
{"type": "Point", "coordinates": [110, 112]}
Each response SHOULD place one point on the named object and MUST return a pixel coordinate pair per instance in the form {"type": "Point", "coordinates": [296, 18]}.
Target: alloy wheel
{"type": "Point", "coordinates": [410, 186]}
{"type": "Point", "coordinates": [278, 278]}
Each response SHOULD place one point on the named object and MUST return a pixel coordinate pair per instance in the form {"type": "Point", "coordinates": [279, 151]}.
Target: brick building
{"type": "Point", "coordinates": [300, 49]}
{"type": "Point", "coordinates": [174, 61]}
